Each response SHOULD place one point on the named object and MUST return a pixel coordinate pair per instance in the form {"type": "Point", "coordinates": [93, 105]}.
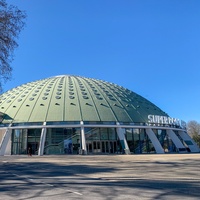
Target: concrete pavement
{"type": "Point", "coordinates": [168, 176]}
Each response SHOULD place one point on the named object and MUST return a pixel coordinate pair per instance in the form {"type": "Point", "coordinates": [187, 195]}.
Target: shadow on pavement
{"type": "Point", "coordinates": [19, 178]}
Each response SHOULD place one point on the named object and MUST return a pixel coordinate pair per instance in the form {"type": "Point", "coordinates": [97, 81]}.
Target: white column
{"type": "Point", "coordinates": [42, 141]}
{"type": "Point", "coordinates": [5, 141]}
{"type": "Point", "coordinates": [189, 142]}
{"type": "Point", "coordinates": [122, 138]}
{"type": "Point", "coordinates": [83, 141]}
{"type": "Point", "coordinates": [176, 141]}
{"type": "Point", "coordinates": [155, 141]}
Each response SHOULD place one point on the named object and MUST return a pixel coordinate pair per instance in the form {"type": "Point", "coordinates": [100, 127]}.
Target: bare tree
{"type": "Point", "coordinates": [193, 129]}
{"type": "Point", "coordinates": [12, 21]}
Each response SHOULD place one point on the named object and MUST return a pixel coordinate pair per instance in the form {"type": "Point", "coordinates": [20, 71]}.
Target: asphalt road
{"type": "Point", "coordinates": [108, 177]}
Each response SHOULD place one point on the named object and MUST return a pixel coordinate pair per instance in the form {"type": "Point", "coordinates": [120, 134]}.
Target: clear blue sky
{"type": "Point", "coordinates": [151, 47]}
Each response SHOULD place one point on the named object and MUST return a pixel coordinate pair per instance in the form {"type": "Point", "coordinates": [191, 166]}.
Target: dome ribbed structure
{"type": "Point", "coordinates": [74, 98]}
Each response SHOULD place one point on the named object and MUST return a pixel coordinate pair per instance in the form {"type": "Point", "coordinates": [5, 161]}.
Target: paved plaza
{"type": "Point", "coordinates": [109, 177]}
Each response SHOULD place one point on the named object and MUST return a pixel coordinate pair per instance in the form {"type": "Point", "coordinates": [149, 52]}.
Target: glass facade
{"type": "Point", "coordinates": [101, 140]}
{"type": "Point", "coordinates": [19, 141]}
{"type": "Point", "coordinates": [185, 143]}
{"type": "Point", "coordinates": [62, 141]}
{"type": "Point", "coordinates": [34, 140]}
{"type": "Point", "coordinates": [22, 139]}
{"type": "Point", "coordinates": [165, 141]}
{"type": "Point", "coordinates": [138, 141]}
{"type": "Point", "coordinates": [98, 140]}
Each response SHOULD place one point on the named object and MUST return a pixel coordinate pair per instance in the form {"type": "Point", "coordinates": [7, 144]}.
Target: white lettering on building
{"type": "Point", "coordinates": [164, 120]}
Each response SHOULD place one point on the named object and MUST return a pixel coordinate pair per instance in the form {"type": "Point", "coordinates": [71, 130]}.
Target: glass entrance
{"type": "Point", "coordinates": [106, 146]}
{"type": "Point", "coordinates": [62, 141]}
{"type": "Point", "coordinates": [22, 139]}
{"type": "Point", "coordinates": [101, 140]}
{"type": "Point", "coordinates": [33, 140]}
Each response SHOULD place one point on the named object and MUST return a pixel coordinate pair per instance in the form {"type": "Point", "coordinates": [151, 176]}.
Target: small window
{"type": "Point", "coordinates": [85, 97]}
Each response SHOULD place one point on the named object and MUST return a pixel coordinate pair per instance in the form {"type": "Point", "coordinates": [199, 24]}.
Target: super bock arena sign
{"type": "Point", "coordinates": [164, 120]}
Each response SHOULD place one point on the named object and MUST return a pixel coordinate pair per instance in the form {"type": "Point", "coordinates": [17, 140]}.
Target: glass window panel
{"type": "Point", "coordinates": [19, 141]}
{"type": "Point", "coordinates": [129, 135]}
{"type": "Point", "coordinates": [62, 141]}
{"type": "Point", "coordinates": [98, 145]}
{"type": "Point", "coordinates": [104, 133]}
{"type": "Point", "coordinates": [92, 134]}
{"type": "Point", "coordinates": [136, 144]}
{"type": "Point", "coordinates": [112, 134]}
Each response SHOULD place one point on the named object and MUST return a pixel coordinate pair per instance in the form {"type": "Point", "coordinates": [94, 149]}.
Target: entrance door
{"type": "Point", "coordinates": [113, 147]}
{"type": "Point", "coordinates": [108, 147]}
{"type": "Point", "coordinates": [33, 140]}
{"type": "Point", "coordinates": [96, 147]}
{"type": "Point", "coordinates": [103, 147]}
{"type": "Point", "coordinates": [24, 138]}
{"type": "Point", "coordinates": [34, 147]}
{"type": "Point", "coordinates": [89, 147]}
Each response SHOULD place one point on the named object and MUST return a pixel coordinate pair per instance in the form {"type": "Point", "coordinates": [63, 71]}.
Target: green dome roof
{"type": "Point", "coordinates": [74, 98]}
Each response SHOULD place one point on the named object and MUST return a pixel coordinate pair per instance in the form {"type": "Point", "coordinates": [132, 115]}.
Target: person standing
{"type": "Point", "coordinates": [29, 151]}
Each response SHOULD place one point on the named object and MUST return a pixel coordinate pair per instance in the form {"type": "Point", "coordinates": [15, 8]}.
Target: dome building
{"type": "Point", "coordinates": [76, 115]}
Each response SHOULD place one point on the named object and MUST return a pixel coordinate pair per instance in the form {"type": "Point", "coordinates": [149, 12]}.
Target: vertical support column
{"type": "Point", "coordinates": [83, 141]}
{"type": "Point", "coordinates": [155, 141]}
{"type": "Point", "coordinates": [176, 141]}
{"type": "Point", "coordinates": [122, 139]}
{"type": "Point", "coordinates": [189, 142]}
{"type": "Point", "coordinates": [42, 141]}
{"type": "Point", "coordinates": [5, 140]}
